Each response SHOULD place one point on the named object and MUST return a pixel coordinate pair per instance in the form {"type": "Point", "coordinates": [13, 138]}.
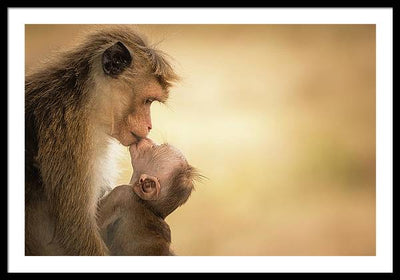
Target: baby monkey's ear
{"type": "Point", "coordinates": [147, 187]}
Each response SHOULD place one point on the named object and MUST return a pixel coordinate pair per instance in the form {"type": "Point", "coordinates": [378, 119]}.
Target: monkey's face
{"type": "Point", "coordinates": [129, 87]}
{"type": "Point", "coordinates": [131, 120]}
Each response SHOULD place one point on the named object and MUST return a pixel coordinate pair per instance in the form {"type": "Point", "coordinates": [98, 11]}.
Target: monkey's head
{"type": "Point", "coordinates": [128, 75]}
{"type": "Point", "coordinates": [162, 176]}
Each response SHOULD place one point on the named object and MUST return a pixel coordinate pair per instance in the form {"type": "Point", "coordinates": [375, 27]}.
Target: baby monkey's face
{"type": "Point", "coordinates": [161, 176]}
{"type": "Point", "coordinates": [159, 161]}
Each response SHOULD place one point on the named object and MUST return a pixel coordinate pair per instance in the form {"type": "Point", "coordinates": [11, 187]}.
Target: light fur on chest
{"type": "Point", "coordinates": [107, 170]}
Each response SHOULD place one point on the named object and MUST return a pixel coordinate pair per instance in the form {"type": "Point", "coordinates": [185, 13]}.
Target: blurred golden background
{"type": "Point", "coordinates": [280, 119]}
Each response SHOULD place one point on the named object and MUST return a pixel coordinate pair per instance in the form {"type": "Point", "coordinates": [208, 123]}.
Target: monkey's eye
{"type": "Point", "coordinates": [148, 101]}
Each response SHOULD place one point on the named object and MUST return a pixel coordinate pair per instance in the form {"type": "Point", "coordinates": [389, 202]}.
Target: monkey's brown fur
{"type": "Point", "coordinates": [71, 111]}
{"type": "Point", "coordinates": [134, 225]}
{"type": "Point", "coordinates": [129, 227]}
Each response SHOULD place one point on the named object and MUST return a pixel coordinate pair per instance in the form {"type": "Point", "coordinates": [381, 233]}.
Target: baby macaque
{"type": "Point", "coordinates": [131, 217]}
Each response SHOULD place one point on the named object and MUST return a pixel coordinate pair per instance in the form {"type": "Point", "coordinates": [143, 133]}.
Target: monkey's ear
{"type": "Point", "coordinates": [147, 187]}
{"type": "Point", "coordinates": [116, 59]}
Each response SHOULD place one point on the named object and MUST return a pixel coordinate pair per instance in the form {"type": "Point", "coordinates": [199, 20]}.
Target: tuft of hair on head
{"type": "Point", "coordinates": [186, 177]}
{"type": "Point", "coordinates": [182, 185]}
{"type": "Point", "coordinates": [161, 66]}
{"type": "Point", "coordinates": [158, 60]}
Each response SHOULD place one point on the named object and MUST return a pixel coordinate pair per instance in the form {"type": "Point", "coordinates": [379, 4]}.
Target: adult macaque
{"type": "Point", "coordinates": [131, 217]}
{"type": "Point", "coordinates": [77, 107]}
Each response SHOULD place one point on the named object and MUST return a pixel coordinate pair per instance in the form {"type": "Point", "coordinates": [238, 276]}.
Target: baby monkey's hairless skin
{"type": "Point", "coordinates": [131, 217]}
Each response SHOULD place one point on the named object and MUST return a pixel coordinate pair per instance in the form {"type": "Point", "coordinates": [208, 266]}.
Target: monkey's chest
{"type": "Point", "coordinates": [107, 169]}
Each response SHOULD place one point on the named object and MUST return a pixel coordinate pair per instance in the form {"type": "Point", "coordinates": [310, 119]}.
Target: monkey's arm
{"type": "Point", "coordinates": [75, 221]}
{"type": "Point", "coordinates": [116, 223]}
{"type": "Point", "coordinates": [129, 228]}
{"type": "Point", "coordinates": [109, 207]}
{"type": "Point", "coordinates": [72, 200]}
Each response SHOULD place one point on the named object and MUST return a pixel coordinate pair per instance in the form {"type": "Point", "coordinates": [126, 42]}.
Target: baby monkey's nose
{"type": "Point", "coordinates": [143, 144]}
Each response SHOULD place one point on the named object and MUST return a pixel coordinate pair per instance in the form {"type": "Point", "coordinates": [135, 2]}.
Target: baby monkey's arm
{"type": "Point", "coordinates": [111, 206]}
{"type": "Point", "coordinates": [128, 227]}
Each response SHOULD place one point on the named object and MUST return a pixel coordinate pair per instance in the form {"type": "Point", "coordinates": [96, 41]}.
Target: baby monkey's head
{"type": "Point", "coordinates": [162, 177]}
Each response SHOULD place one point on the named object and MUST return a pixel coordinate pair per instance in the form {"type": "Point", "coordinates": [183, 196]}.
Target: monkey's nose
{"type": "Point", "coordinates": [149, 128]}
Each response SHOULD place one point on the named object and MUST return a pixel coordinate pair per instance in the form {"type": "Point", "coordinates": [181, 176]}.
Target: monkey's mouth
{"type": "Point", "coordinates": [137, 138]}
